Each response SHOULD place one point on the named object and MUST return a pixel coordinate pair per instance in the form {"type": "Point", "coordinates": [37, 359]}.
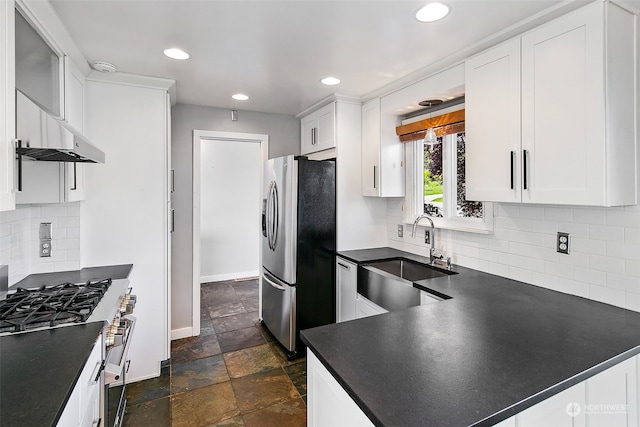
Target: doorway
{"type": "Point", "coordinates": [227, 192]}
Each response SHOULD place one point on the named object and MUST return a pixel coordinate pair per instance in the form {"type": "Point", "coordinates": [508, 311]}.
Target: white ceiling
{"type": "Point", "coordinates": [276, 51]}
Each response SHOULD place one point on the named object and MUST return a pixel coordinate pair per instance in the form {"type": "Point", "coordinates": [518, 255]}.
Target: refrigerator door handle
{"type": "Point", "coordinates": [272, 283]}
{"type": "Point", "coordinates": [273, 215]}
{"type": "Point", "coordinates": [270, 216]}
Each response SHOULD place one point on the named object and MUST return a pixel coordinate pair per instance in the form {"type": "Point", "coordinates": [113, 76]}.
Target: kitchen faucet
{"type": "Point", "coordinates": [431, 237]}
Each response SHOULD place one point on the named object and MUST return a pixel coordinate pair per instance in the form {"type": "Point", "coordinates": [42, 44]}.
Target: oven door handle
{"type": "Point", "coordinates": [113, 368]}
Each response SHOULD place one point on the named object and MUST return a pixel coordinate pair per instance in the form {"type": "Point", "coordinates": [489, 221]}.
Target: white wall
{"type": "Point", "coordinates": [284, 138]}
{"type": "Point", "coordinates": [19, 234]}
{"type": "Point", "coordinates": [603, 264]}
{"type": "Point", "coordinates": [229, 203]}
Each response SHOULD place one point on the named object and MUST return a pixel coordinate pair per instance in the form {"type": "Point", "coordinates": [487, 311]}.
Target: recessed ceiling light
{"type": "Point", "coordinates": [330, 81]}
{"type": "Point", "coordinates": [176, 53]}
{"type": "Point", "coordinates": [432, 12]}
{"type": "Point", "coordinates": [240, 97]}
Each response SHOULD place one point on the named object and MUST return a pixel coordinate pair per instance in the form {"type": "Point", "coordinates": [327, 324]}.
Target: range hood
{"type": "Point", "coordinates": [42, 137]}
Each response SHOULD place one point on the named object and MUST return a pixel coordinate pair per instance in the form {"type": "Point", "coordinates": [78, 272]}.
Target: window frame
{"type": "Point", "coordinates": [414, 158]}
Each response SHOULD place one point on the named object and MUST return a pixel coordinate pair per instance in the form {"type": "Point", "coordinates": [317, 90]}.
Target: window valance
{"type": "Point", "coordinates": [444, 124]}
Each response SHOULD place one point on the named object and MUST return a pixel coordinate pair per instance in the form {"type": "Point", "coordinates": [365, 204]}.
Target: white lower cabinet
{"type": "Point", "coordinates": [346, 283]}
{"type": "Point", "coordinates": [608, 399]}
{"type": "Point", "coordinates": [366, 308]}
{"type": "Point", "coordinates": [83, 407]}
{"type": "Point", "coordinates": [328, 405]}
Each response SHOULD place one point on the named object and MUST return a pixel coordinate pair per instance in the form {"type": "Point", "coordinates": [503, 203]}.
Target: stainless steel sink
{"type": "Point", "coordinates": [390, 283]}
{"type": "Point", "coordinates": [409, 270]}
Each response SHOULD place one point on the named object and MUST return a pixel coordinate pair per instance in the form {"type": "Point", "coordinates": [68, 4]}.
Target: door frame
{"type": "Point", "coordinates": [198, 136]}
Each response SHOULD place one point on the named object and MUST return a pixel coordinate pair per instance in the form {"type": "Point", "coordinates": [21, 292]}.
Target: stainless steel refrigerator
{"type": "Point", "coordinates": [298, 247]}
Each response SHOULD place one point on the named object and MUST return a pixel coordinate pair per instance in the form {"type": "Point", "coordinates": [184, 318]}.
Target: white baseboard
{"type": "Point", "coordinates": [177, 334]}
{"type": "Point", "coordinates": [229, 276]}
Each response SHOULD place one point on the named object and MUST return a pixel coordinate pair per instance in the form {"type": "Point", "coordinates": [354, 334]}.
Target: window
{"type": "Point", "coordinates": [438, 178]}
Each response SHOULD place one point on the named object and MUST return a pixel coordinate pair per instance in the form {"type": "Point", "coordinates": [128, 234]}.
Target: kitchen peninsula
{"type": "Point", "coordinates": [494, 349]}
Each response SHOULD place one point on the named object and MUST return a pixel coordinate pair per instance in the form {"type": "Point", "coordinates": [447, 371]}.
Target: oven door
{"type": "Point", "coordinates": [115, 372]}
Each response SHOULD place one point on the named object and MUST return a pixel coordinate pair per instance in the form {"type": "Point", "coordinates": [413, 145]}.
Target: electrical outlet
{"type": "Point", "coordinates": [427, 237]}
{"type": "Point", "coordinates": [45, 248]}
{"type": "Point", "coordinates": [400, 230]}
{"type": "Point", "coordinates": [562, 244]}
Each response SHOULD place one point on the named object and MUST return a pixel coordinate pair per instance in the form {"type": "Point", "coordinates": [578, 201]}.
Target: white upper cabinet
{"type": "Point", "coordinates": [57, 182]}
{"type": "Point", "coordinates": [318, 130]}
{"type": "Point", "coordinates": [74, 81]}
{"type": "Point", "coordinates": [576, 106]}
{"type": "Point", "coordinates": [492, 124]}
{"type": "Point", "coordinates": [371, 148]}
{"type": "Point", "coordinates": [382, 158]}
{"type": "Point", "coordinates": [7, 105]}
{"type": "Point", "coordinates": [74, 115]}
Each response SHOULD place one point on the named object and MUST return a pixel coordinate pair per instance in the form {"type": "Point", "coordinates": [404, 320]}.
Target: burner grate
{"type": "Point", "coordinates": [50, 306]}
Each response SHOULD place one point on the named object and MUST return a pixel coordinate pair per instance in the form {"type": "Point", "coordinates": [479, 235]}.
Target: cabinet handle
{"type": "Point", "coordinates": [314, 136]}
{"type": "Point", "coordinates": [513, 165]}
{"type": "Point", "coordinates": [345, 266]}
{"type": "Point", "coordinates": [173, 180]}
{"type": "Point", "coordinates": [374, 176]}
{"type": "Point", "coordinates": [19, 165]}
{"type": "Point", "coordinates": [524, 167]}
{"type": "Point", "coordinates": [173, 220]}
{"type": "Point", "coordinates": [75, 179]}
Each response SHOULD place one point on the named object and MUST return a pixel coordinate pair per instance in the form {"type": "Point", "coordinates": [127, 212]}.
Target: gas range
{"type": "Point", "coordinates": [30, 306]}
{"type": "Point", "coordinates": [50, 306]}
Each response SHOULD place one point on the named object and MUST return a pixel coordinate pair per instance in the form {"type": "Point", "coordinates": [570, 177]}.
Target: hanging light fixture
{"type": "Point", "coordinates": [430, 137]}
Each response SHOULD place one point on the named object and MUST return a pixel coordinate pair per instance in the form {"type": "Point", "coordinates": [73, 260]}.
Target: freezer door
{"type": "Point", "coordinates": [280, 195]}
{"type": "Point", "coordinates": [279, 310]}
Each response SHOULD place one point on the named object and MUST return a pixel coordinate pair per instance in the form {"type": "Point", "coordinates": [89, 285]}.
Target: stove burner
{"type": "Point", "coordinates": [50, 305]}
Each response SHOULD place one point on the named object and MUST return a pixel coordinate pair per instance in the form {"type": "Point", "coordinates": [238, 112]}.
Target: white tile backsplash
{"type": "Point", "coordinates": [19, 234]}
{"type": "Point", "coordinates": [603, 263]}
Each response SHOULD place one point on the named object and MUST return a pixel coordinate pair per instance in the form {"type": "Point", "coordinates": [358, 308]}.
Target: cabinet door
{"type": "Point", "coordinates": [307, 135]}
{"type": "Point", "coordinates": [563, 105]}
{"type": "Point", "coordinates": [492, 123]}
{"type": "Point", "coordinates": [557, 411]}
{"type": "Point", "coordinates": [42, 182]}
{"type": "Point", "coordinates": [74, 182]}
{"type": "Point", "coordinates": [7, 105]}
{"type": "Point", "coordinates": [318, 130]}
{"type": "Point", "coordinates": [326, 137]}
{"type": "Point", "coordinates": [347, 282]}
{"type": "Point", "coordinates": [366, 308]}
{"type": "Point", "coordinates": [371, 148]}
{"type": "Point", "coordinates": [74, 95]}
{"type": "Point", "coordinates": [612, 396]}
{"type": "Point", "coordinates": [328, 404]}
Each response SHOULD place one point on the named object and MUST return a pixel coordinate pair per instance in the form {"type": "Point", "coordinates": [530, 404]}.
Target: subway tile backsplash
{"type": "Point", "coordinates": [603, 264]}
{"type": "Point", "coordinates": [19, 234]}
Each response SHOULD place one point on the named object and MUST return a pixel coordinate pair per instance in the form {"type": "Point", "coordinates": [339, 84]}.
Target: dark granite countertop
{"type": "Point", "coordinates": [497, 347]}
{"type": "Point", "coordinates": [38, 371]}
{"type": "Point", "coordinates": [76, 276]}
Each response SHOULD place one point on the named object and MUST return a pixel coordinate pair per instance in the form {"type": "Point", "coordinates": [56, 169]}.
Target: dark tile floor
{"type": "Point", "coordinates": [233, 374]}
